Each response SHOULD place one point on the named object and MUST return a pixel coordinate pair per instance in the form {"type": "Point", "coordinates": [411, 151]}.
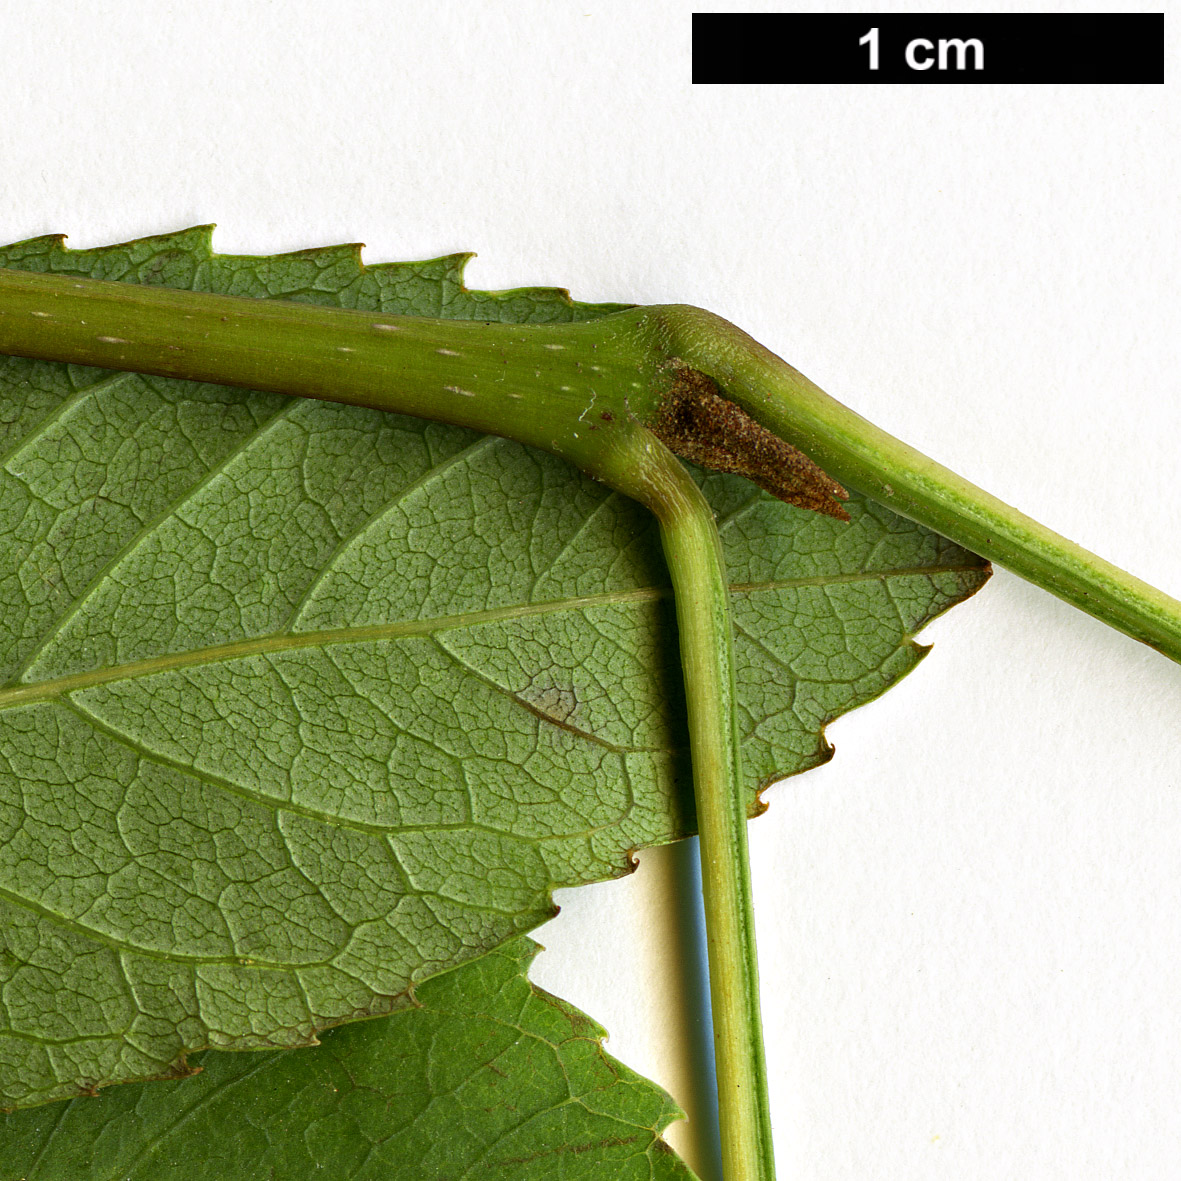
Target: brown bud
{"type": "Point", "coordinates": [696, 422]}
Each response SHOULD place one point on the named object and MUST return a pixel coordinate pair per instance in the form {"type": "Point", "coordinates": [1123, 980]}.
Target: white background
{"type": "Point", "coordinates": [970, 921]}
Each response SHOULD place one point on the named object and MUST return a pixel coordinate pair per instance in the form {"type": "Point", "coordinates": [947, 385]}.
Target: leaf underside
{"type": "Point", "coordinates": [303, 704]}
{"type": "Point", "coordinates": [491, 1078]}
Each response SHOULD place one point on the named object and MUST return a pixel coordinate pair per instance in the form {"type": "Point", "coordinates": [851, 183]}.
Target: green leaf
{"type": "Point", "coordinates": [304, 704]}
{"type": "Point", "coordinates": [490, 1078]}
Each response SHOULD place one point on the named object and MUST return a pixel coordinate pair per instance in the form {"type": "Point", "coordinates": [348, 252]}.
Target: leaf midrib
{"type": "Point", "coordinates": [17, 695]}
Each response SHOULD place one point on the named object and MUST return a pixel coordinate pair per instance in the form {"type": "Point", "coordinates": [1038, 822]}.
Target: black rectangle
{"type": "Point", "coordinates": [945, 47]}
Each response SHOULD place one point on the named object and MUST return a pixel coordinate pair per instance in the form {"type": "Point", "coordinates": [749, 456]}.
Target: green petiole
{"type": "Point", "coordinates": [701, 590]}
{"type": "Point", "coordinates": [694, 553]}
{"type": "Point", "coordinates": [606, 395]}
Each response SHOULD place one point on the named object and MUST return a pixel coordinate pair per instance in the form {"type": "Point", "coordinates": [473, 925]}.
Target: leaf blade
{"type": "Point", "coordinates": [489, 1077]}
{"type": "Point", "coordinates": [308, 703]}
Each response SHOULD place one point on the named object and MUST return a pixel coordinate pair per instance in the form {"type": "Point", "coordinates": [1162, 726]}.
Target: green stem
{"type": "Point", "coordinates": [862, 456]}
{"type": "Point", "coordinates": [564, 388]}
